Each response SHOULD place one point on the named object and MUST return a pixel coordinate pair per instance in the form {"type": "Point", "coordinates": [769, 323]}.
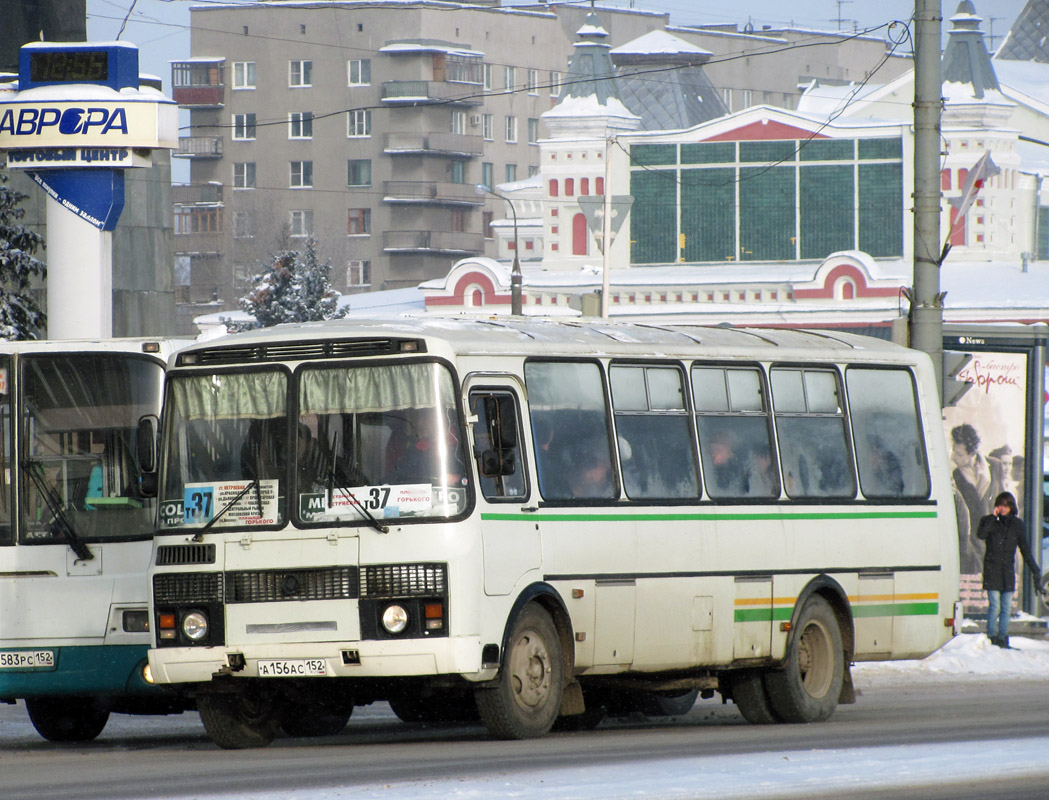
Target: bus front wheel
{"type": "Point", "coordinates": [67, 719]}
{"type": "Point", "coordinates": [235, 721]}
{"type": "Point", "coordinates": [526, 697]}
{"type": "Point", "coordinates": [808, 687]}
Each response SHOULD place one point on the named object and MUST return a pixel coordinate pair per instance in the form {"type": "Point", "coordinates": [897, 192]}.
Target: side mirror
{"type": "Point", "coordinates": [146, 454]}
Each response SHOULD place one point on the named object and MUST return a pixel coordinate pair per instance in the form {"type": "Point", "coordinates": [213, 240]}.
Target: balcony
{"type": "Point", "coordinates": [452, 242]}
{"type": "Point", "coordinates": [432, 193]}
{"type": "Point", "coordinates": [199, 147]}
{"type": "Point", "coordinates": [451, 144]}
{"type": "Point", "coordinates": [420, 93]}
{"type": "Point", "coordinates": [186, 194]}
{"type": "Point", "coordinates": [198, 83]}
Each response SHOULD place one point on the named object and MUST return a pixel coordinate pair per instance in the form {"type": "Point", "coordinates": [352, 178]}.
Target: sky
{"type": "Point", "coordinates": [778, 775]}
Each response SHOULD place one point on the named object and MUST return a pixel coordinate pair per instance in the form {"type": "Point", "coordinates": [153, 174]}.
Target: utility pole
{"type": "Point", "coordinates": [926, 312]}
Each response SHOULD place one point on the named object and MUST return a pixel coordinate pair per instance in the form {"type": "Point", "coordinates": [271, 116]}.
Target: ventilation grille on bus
{"type": "Point", "coordinates": [403, 580]}
{"type": "Point", "coordinates": [292, 350]}
{"type": "Point", "coordinates": [187, 587]}
{"type": "Point", "coordinates": [173, 554]}
{"type": "Point", "coordinates": [264, 586]}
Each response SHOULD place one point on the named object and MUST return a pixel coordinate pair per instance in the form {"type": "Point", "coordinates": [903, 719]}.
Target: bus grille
{"type": "Point", "coordinates": [292, 350]}
{"type": "Point", "coordinates": [174, 554]}
{"type": "Point", "coordinates": [187, 587]}
{"type": "Point", "coordinates": [265, 586]}
{"type": "Point", "coordinates": [403, 580]}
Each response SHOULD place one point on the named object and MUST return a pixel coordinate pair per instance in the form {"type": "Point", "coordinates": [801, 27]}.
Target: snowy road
{"type": "Point", "coordinates": [966, 722]}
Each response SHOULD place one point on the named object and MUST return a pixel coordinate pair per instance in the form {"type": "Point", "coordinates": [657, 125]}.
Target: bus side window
{"type": "Point", "coordinates": [810, 424]}
{"type": "Point", "coordinates": [888, 433]}
{"type": "Point", "coordinates": [497, 445]}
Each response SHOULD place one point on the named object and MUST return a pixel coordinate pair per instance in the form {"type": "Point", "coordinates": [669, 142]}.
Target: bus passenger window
{"type": "Point", "coordinates": [653, 433]}
{"type": "Point", "coordinates": [888, 434]}
{"type": "Point", "coordinates": [734, 438]}
{"type": "Point", "coordinates": [570, 430]}
{"type": "Point", "coordinates": [810, 424]}
{"type": "Point", "coordinates": [497, 446]}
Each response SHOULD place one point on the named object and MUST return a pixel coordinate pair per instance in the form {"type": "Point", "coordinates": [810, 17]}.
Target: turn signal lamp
{"type": "Point", "coordinates": [166, 625]}
{"type": "Point", "coordinates": [434, 613]}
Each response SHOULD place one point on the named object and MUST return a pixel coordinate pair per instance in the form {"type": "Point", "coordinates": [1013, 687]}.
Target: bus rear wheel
{"type": "Point", "coordinates": [235, 721]}
{"type": "Point", "coordinates": [750, 697]}
{"type": "Point", "coordinates": [526, 697]}
{"type": "Point", "coordinates": [808, 687]}
{"type": "Point", "coordinates": [67, 719]}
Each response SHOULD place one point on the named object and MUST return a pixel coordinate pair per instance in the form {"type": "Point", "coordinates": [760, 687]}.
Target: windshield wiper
{"type": "Point", "coordinates": [54, 505]}
{"type": "Point", "coordinates": [354, 502]}
{"type": "Point", "coordinates": [199, 535]}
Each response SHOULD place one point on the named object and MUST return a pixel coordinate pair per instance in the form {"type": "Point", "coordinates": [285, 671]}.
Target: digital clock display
{"type": "Point", "coordinates": [70, 66]}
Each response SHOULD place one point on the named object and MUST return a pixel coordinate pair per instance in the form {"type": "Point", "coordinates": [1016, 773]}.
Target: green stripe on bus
{"type": "Point", "coordinates": [876, 610]}
{"type": "Point", "coordinates": [704, 517]}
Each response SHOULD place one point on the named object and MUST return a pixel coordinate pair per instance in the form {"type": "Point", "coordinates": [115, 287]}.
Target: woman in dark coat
{"type": "Point", "coordinates": [1003, 531]}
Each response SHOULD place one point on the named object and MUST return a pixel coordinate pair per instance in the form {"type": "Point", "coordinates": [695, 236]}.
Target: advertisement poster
{"type": "Point", "coordinates": [986, 431]}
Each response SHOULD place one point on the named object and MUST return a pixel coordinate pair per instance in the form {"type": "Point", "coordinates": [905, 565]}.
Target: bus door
{"type": "Point", "coordinates": [509, 536]}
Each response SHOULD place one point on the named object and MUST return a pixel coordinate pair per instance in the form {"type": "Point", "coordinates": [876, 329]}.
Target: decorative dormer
{"type": "Point", "coordinates": [970, 86]}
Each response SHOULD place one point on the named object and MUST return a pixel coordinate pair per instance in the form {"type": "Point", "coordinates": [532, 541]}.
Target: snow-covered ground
{"type": "Point", "coordinates": [772, 776]}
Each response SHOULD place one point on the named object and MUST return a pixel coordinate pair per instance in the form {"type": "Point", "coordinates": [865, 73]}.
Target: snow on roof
{"type": "Point", "coordinates": [658, 42]}
{"type": "Point", "coordinates": [589, 106]}
{"type": "Point", "coordinates": [822, 100]}
{"type": "Point", "coordinates": [197, 59]}
{"type": "Point", "coordinates": [591, 30]}
{"type": "Point", "coordinates": [1030, 78]}
{"type": "Point", "coordinates": [430, 47]}
{"type": "Point", "coordinates": [955, 92]}
{"type": "Point", "coordinates": [84, 92]}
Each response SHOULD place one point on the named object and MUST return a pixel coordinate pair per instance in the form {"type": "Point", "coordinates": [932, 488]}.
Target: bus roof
{"type": "Point", "coordinates": [546, 336]}
{"type": "Point", "coordinates": [160, 347]}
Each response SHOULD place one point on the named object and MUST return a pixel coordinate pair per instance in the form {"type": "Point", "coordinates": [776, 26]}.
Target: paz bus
{"type": "Point", "coordinates": [521, 518]}
{"type": "Point", "coordinates": [76, 532]}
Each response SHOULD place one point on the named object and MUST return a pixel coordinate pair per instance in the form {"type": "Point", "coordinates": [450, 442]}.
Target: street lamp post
{"type": "Point", "coordinates": [515, 270]}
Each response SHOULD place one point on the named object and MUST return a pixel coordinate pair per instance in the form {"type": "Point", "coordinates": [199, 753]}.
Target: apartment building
{"type": "Point", "coordinates": [368, 125]}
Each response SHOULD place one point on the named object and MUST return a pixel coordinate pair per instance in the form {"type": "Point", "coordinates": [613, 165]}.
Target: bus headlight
{"type": "Point", "coordinates": [395, 618]}
{"type": "Point", "coordinates": [195, 626]}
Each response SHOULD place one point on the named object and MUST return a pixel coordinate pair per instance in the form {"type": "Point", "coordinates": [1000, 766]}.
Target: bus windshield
{"type": "Point", "coordinates": [365, 443]}
{"type": "Point", "coordinates": [78, 445]}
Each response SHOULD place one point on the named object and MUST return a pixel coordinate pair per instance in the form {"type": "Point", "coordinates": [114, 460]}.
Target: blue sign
{"type": "Point", "coordinates": [96, 196]}
{"type": "Point", "coordinates": [55, 64]}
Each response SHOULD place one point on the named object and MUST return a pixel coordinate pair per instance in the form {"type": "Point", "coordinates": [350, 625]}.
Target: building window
{"type": "Point", "coordinates": [486, 127]}
{"type": "Point", "coordinates": [569, 187]}
{"type": "Point", "coordinates": [458, 172]}
{"type": "Point", "coordinates": [533, 170]}
{"type": "Point", "coordinates": [584, 186]}
{"type": "Point", "coordinates": [458, 221]}
{"type": "Point", "coordinates": [300, 74]}
{"type": "Point", "coordinates": [243, 224]}
{"type": "Point", "coordinates": [553, 187]}
{"type": "Point", "coordinates": [358, 222]}
{"type": "Point", "coordinates": [359, 72]}
{"type": "Point", "coordinates": [243, 74]}
{"type": "Point", "coordinates": [533, 81]}
{"type": "Point", "coordinates": [511, 129]}
{"type": "Point", "coordinates": [487, 77]}
{"type": "Point", "coordinates": [533, 130]}
{"type": "Point", "coordinates": [511, 173]}
{"type": "Point", "coordinates": [358, 274]}
{"type": "Point", "coordinates": [460, 69]}
{"type": "Point", "coordinates": [197, 219]}
{"type": "Point", "coordinates": [359, 124]}
{"type": "Point", "coordinates": [555, 84]}
{"type": "Point", "coordinates": [243, 127]}
{"type": "Point", "coordinates": [599, 186]}
{"type": "Point", "coordinates": [726, 97]}
{"type": "Point", "coordinates": [508, 78]}
{"type": "Point", "coordinates": [579, 235]}
{"type": "Point", "coordinates": [487, 217]}
{"type": "Point", "coordinates": [244, 175]}
{"type": "Point", "coordinates": [746, 98]}
{"type": "Point", "coordinates": [359, 172]}
{"type": "Point", "coordinates": [300, 223]}
{"type": "Point", "coordinates": [301, 174]}
{"type": "Point", "coordinates": [459, 122]}
{"type": "Point", "coordinates": [300, 125]}
{"type": "Point", "coordinates": [486, 174]}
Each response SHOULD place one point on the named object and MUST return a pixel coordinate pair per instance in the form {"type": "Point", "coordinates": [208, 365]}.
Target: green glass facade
{"type": "Point", "coordinates": [780, 200]}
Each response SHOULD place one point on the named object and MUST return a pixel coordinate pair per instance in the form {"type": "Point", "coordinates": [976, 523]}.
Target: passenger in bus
{"type": "Point", "coordinates": [310, 460]}
{"type": "Point", "coordinates": [885, 473]}
{"type": "Point", "coordinates": [590, 475]}
{"type": "Point", "coordinates": [417, 455]}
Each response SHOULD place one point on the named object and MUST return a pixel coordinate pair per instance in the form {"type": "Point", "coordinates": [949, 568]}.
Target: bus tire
{"type": "Point", "coordinates": [308, 721]}
{"type": "Point", "coordinates": [526, 698]}
{"type": "Point", "coordinates": [67, 719]}
{"type": "Point", "coordinates": [751, 698]}
{"type": "Point", "coordinates": [238, 720]}
{"type": "Point", "coordinates": [807, 688]}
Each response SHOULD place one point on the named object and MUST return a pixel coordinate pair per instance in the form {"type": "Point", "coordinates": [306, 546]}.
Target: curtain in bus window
{"type": "Point", "coordinates": [887, 432]}
{"type": "Point", "coordinates": [810, 425]}
{"type": "Point", "coordinates": [570, 430]}
{"type": "Point", "coordinates": [252, 395]}
{"type": "Point", "coordinates": [735, 442]}
{"type": "Point", "coordinates": [652, 433]}
{"type": "Point", "coordinates": [373, 389]}
{"type": "Point", "coordinates": [6, 453]}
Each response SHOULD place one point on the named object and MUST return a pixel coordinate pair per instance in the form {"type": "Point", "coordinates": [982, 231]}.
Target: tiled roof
{"type": "Point", "coordinates": [1028, 39]}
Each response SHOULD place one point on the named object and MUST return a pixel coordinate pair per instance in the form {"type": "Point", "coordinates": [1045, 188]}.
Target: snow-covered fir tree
{"type": "Point", "coordinates": [20, 315]}
{"type": "Point", "coordinates": [296, 287]}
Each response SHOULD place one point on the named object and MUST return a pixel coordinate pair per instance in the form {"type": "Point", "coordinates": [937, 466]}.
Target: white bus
{"type": "Point", "coordinates": [76, 532]}
{"type": "Point", "coordinates": [529, 517]}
